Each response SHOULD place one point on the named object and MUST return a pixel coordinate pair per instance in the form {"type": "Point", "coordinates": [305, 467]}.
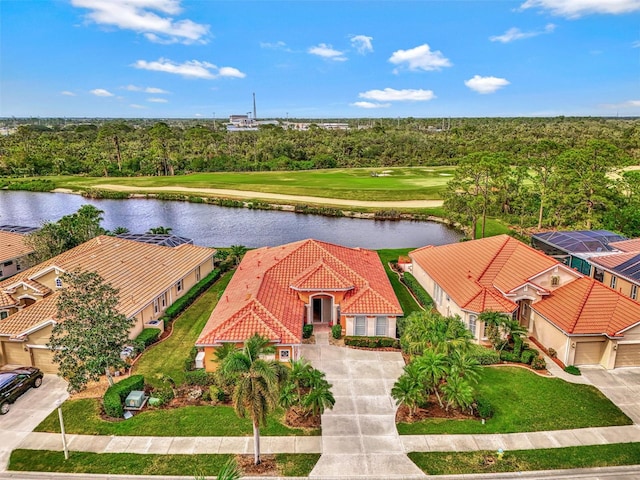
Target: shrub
{"type": "Point", "coordinates": [190, 361]}
{"type": "Point", "coordinates": [372, 342]}
{"type": "Point", "coordinates": [189, 297]}
{"type": "Point", "coordinates": [199, 377]}
{"type": "Point", "coordinates": [484, 355]}
{"type": "Point", "coordinates": [148, 336]}
{"type": "Point", "coordinates": [420, 293]}
{"type": "Point", "coordinates": [509, 356]}
{"type": "Point", "coordinates": [572, 369]}
{"type": "Point", "coordinates": [484, 408]}
{"type": "Point", "coordinates": [538, 363]}
{"type": "Point", "coordinates": [216, 393]}
{"type": "Point", "coordinates": [336, 331]}
{"type": "Point", "coordinates": [517, 346]}
{"type": "Point", "coordinates": [528, 355]}
{"type": "Point", "coordinates": [307, 331]}
{"type": "Point", "coordinates": [164, 395]}
{"type": "Point", "coordinates": [552, 353]}
{"type": "Point", "coordinates": [116, 394]}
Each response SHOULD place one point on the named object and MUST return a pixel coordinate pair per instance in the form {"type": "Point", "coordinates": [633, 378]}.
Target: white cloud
{"type": "Point", "coordinates": [154, 90]}
{"type": "Point", "coordinates": [67, 93]}
{"type": "Point", "coordinates": [627, 104]}
{"type": "Point", "coordinates": [140, 16]}
{"type": "Point", "coordinates": [486, 84]}
{"type": "Point", "coordinates": [370, 105]}
{"type": "Point", "coordinates": [135, 105]}
{"type": "Point", "coordinates": [157, 100]}
{"type": "Point", "coordinates": [420, 58]}
{"type": "Point", "coordinates": [362, 44]}
{"type": "Point", "coordinates": [279, 45]}
{"type": "Point", "coordinates": [327, 51]}
{"type": "Point", "coordinates": [393, 95]}
{"type": "Point", "coordinates": [578, 8]}
{"type": "Point", "coordinates": [517, 34]}
{"type": "Point", "coordinates": [189, 69]}
{"type": "Point", "coordinates": [101, 92]}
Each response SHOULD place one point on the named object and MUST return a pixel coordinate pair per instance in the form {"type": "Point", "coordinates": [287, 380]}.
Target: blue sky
{"type": "Point", "coordinates": [319, 59]}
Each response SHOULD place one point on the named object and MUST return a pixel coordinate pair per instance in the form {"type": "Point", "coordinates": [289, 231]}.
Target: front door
{"type": "Point", "coordinates": [317, 310]}
{"type": "Point", "coordinates": [524, 313]}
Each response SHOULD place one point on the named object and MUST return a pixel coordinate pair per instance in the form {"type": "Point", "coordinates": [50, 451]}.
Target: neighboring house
{"type": "Point", "coordinates": [276, 290]}
{"type": "Point", "coordinates": [585, 321]}
{"type": "Point", "coordinates": [13, 253]}
{"type": "Point", "coordinates": [605, 256]}
{"type": "Point", "coordinates": [149, 279]}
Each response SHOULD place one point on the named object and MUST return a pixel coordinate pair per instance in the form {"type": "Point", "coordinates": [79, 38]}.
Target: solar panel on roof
{"type": "Point", "coordinates": [630, 268]}
{"type": "Point", "coordinates": [17, 229]}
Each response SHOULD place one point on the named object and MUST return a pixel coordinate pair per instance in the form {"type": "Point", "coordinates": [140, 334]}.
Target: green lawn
{"type": "Point", "coordinates": [526, 402]}
{"type": "Point", "coordinates": [406, 183]}
{"type": "Point", "coordinates": [407, 302]}
{"type": "Point", "coordinates": [83, 417]}
{"type": "Point", "coordinates": [459, 463]}
{"type": "Point", "coordinates": [168, 357]}
{"type": "Point", "coordinates": [290, 465]}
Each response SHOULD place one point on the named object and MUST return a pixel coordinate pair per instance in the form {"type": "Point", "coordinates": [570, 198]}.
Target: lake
{"type": "Point", "coordinates": [210, 225]}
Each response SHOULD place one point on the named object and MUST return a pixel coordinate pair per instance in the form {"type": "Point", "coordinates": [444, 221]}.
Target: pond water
{"type": "Point", "coordinates": [210, 225]}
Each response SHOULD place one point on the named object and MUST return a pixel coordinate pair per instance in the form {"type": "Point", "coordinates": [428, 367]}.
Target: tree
{"type": "Point", "coordinates": [160, 230]}
{"type": "Point", "coordinates": [90, 332]}
{"type": "Point", "coordinates": [237, 252]}
{"type": "Point", "coordinates": [500, 327]}
{"type": "Point", "coordinates": [409, 389]}
{"type": "Point", "coordinates": [306, 388]}
{"type": "Point", "coordinates": [120, 230]}
{"type": "Point", "coordinates": [461, 364]}
{"type": "Point", "coordinates": [257, 383]}
{"type": "Point", "coordinates": [543, 162]}
{"type": "Point", "coordinates": [432, 369]}
{"type": "Point", "coordinates": [68, 232]}
{"type": "Point", "coordinates": [429, 329]}
{"type": "Point", "coordinates": [457, 393]}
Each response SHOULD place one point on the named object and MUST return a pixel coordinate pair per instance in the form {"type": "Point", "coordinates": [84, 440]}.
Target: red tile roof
{"type": "Point", "coordinates": [586, 306]}
{"type": "Point", "coordinates": [263, 293]}
{"type": "Point", "coordinates": [13, 245]}
{"type": "Point", "coordinates": [475, 274]}
{"type": "Point", "coordinates": [632, 245]}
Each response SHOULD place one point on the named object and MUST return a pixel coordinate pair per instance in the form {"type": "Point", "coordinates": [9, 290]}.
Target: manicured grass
{"type": "Point", "coordinates": [459, 463]}
{"type": "Point", "coordinates": [83, 417]}
{"type": "Point", "coordinates": [407, 302]}
{"type": "Point", "coordinates": [492, 228]}
{"type": "Point", "coordinates": [168, 357]}
{"type": "Point", "coordinates": [406, 183]}
{"type": "Point", "coordinates": [526, 402]}
{"type": "Point", "coordinates": [201, 465]}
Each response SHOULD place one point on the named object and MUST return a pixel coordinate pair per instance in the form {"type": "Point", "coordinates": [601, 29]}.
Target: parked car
{"type": "Point", "coordinates": [15, 382]}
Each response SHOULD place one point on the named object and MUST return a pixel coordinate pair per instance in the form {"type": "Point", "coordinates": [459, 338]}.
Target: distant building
{"type": "Point", "coordinates": [14, 252]}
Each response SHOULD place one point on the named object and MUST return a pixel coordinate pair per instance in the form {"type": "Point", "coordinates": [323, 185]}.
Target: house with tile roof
{"type": "Point", "coordinates": [277, 290]}
{"type": "Point", "coordinates": [149, 278]}
{"type": "Point", "coordinates": [585, 321]}
{"type": "Point", "coordinates": [14, 253]}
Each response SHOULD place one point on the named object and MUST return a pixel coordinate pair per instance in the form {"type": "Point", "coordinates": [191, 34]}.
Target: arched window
{"type": "Point", "coordinates": [58, 282]}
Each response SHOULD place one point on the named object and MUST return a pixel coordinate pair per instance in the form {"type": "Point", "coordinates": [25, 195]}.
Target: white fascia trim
{"type": "Point", "coordinates": [35, 328]}
{"type": "Point", "coordinates": [44, 271]}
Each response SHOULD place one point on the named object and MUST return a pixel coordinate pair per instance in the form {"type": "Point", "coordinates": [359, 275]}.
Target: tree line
{"type": "Point", "coordinates": [131, 148]}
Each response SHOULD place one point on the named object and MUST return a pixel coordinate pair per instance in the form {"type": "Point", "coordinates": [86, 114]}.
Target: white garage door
{"type": "Point", "coordinates": [588, 353]}
{"type": "Point", "coordinates": [43, 359]}
{"type": "Point", "coordinates": [628, 355]}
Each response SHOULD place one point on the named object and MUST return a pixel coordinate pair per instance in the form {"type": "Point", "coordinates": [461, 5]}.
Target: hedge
{"type": "Point", "coordinates": [484, 355]}
{"type": "Point", "coordinates": [181, 304]}
{"type": "Point", "coordinates": [148, 336]}
{"type": "Point", "coordinates": [372, 342]}
{"type": "Point", "coordinates": [420, 293]}
{"type": "Point", "coordinates": [199, 377]}
{"type": "Point", "coordinates": [117, 393]}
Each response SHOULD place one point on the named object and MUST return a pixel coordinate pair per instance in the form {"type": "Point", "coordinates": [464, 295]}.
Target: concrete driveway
{"type": "Point", "coordinates": [621, 386]}
{"type": "Point", "coordinates": [27, 412]}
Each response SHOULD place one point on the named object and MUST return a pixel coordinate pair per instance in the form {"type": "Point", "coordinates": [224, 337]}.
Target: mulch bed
{"type": "Point", "coordinates": [267, 467]}
{"type": "Point", "coordinates": [295, 419]}
{"type": "Point", "coordinates": [432, 410]}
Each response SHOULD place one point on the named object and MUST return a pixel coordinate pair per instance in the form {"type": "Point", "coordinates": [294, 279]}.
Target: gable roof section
{"type": "Point", "coordinates": [623, 264]}
{"type": "Point", "coordinates": [586, 306]}
{"type": "Point", "coordinates": [139, 271]}
{"type": "Point", "coordinates": [12, 245]}
{"type": "Point", "coordinates": [268, 280]}
{"type": "Point", "coordinates": [477, 273]}
{"type": "Point", "coordinates": [631, 245]}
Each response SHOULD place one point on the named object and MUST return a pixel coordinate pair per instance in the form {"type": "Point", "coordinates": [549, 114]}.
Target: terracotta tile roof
{"type": "Point", "coordinates": [475, 274]}
{"type": "Point", "coordinates": [34, 286]}
{"type": "Point", "coordinates": [632, 245]}
{"type": "Point", "coordinates": [623, 264]}
{"type": "Point", "coordinates": [268, 280]}
{"type": "Point", "coordinates": [140, 271]}
{"type": "Point", "coordinates": [586, 306]}
{"type": "Point", "coordinates": [12, 245]}
{"type": "Point", "coordinates": [41, 312]}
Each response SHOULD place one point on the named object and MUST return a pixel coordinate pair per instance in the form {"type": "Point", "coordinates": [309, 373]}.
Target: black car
{"type": "Point", "coordinates": [15, 382]}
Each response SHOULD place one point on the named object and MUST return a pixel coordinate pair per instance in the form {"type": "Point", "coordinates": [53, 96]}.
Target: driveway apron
{"type": "Point", "coordinates": [621, 386]}
{"type": "Point", "coordinates": [359, 435]}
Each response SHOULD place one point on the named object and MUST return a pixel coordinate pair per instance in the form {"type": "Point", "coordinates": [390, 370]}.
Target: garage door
{"type": "Point", "coordinates": [628, 355]}
{"type": "Point", "coordinates": [14, 354]}
{"type": "Point", "coordinates": [588, 353]}
{"type": "Point", "coordinates": [43, 359]}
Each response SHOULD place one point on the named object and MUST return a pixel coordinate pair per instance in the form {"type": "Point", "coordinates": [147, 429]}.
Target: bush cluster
{"type": "Point", "coordinates": [372, 342]}
{"type": "Point", "coordinates": [199, 377]}
{"type": "Point", "coordinates": [508, 356]}
{"type": "Point", "coordinates": [116, 394]}
{"type": "Point", "coordinates": [190, 361]}
{"type": "Point", "coordinates": [188, 298]}
{"type": "Point", "coordinates": [528, 355]}
{"type": "Point", "coordinates": [484, 355]}
{"type": "Point", "coordinates": [572, 369]}
{"type": "Point", "coordinates": [163, 395]}
{"type": "Point", "coordinates": [538, 363]}
{"type": "Point", "coordinates": [420, 293]}
{"type": "Point", "coordinates": [336, 331]}
{"type": "Point", "coordinates": [484, 408]}
{"type": "Point", "coordinates": [307, 331]}
{"type": "Point", "coordinates": [148, 336]}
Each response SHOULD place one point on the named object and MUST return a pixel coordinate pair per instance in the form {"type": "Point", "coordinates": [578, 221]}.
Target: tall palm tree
{"type": "Point", "coordinates": [257, 383]}
{"type": "Point", "coordinates": [237, 252]}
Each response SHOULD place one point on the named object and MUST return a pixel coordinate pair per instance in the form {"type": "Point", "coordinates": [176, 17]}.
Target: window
{"type": "Point", "coordinates": [613, 281]}
{"type": "Point", "coordinates": [8, 264]}
{"type": "Point", "coordinates": [472, 324]}
{"type": "Point", "coordinates": [437, 294]}
{"type": "Point", "coordinates": [163, 300]}
{"type": "Point", "coordinates": [4, 314]}
{"type": "Point", "coordinates": [179, 285]}
{"type": "Point", "coordinates": [381, 326]}
{"type": "Point", "coordinates": [284, 355]}
{"type": "Point", "coordinates": [197, 274]}
{"type": "Point", "coordinates": [555, 280]}
{"type": "Point", "coordinates": [361, 325]}
{"type": "Point", "coordinates": [155, 306]}
{"type": "Point", "coordinates": [634, 292]}
{"type": "Point", "coordinates": [58, 282]}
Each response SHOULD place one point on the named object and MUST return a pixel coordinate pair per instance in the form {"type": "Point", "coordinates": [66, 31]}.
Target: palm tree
{"type": "Point", "coordinates": [463, 365]}
{"type": "Point", "coordinates": [500, 327]}
{"type": "Point", "coordinates": [257, 383]}
{"type": "Point", "coordinates": [431, 366]}
{"type": "Point", "coordinates": [160, 230]}
{"type": "Point", "coordinates": [457, 393]}
{"type": "Point", "coordinates": [408, 389]}
{"type": "Point", "coordinates": [318, 399]}
{"type": "Point", "coordinates": [237, 252]}
{"type": "Point", "coordinates": [120, 230]}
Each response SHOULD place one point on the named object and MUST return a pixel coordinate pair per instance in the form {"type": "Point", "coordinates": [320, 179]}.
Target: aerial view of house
{"type": "Point", "coordinates": [13, 251]}
{"type": "Point", "coordinates": [585, 321]}
{"type": "Point", "coordinates": [149, 278]}
{"type": "Point", "coordinates": [277, 290]}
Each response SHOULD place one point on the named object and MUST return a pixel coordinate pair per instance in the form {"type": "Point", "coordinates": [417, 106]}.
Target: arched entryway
{"type": "Point", "coordinates": [321, 309]}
